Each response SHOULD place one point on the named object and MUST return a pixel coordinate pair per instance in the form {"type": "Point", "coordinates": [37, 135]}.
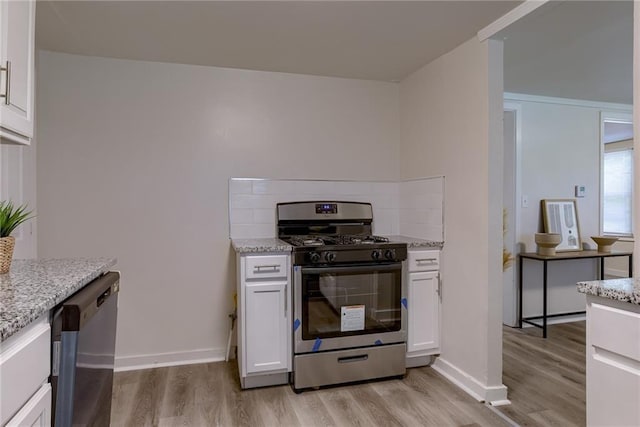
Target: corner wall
{"type": "Point", "coordinates": [451, 125]}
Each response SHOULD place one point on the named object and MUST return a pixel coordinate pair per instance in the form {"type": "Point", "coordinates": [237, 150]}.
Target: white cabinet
{"type": "Point", "coordinates": [423, 306]}
{"type": "Point", "coordinates": [264, 319]}
{"type": "Point", "coordinates": [36, 412]}
{"type": "Point", "coordinates": [17, 29]}
{"type": "Point", "coordinates": [613, 362]}
{"type": "Point", "coordinates": [25, 366]}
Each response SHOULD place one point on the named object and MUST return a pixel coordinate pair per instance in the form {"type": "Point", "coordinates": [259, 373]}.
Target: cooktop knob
{"type": "Point", "coordinates": [330, 256]}
{"type": "Point", "coordinates": [390, 254]}
{"type": "Point", "coordinates": [314, 256]}
{"type": "Point", "coordinates": [376, 254]}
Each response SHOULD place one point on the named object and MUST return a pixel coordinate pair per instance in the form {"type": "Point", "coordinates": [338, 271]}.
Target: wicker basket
{"type": "Point", "coordinates": [6, 253]}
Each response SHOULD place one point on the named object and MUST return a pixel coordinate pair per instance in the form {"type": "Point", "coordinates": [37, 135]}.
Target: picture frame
{"type": "Point", "coordinates": [561, 216]}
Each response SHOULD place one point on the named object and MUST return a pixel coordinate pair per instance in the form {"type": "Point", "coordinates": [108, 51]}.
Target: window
{"type": "Point", "coordinates": [617, 176]}
{"type": "Point", "coordinates": [617, 191]}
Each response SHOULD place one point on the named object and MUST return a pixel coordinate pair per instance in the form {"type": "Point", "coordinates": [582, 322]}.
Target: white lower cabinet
{"type": "Point", "coordinates": [36, 412]}
{"type": "Point", "coordinates": [266, 327]}
{"type": "Point", "coordinates": [25, 366]}
{"type": "Point", "coordinates": [613, 362]}
{"type": "Point", "coordinates": [264, 319]}
{"type": "Point", "coordinates": [423, 307]}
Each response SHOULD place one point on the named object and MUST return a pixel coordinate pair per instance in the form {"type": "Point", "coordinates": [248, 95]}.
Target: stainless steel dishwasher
{"type": "Point", "coordinates": [84, 338]}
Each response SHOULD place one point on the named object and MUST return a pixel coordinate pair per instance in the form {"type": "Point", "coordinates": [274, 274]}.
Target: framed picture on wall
{"type": "Point", "coordinates": [561, 216]}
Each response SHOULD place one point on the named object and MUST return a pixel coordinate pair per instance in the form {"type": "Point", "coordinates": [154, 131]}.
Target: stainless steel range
{"type": "Point", "coordinates": [349, 300]}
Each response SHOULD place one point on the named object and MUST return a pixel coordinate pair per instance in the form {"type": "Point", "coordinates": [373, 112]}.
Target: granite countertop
{"type": "Point", "coordinates": [33, 287]}
{"type": "Point", "coordinates": [413, 242]}
{"type": "Point", "coordinates": [260, 245]}
{"type": "Point", "coordinates": [625, 290]}
{"type": "Point", "coordinates": [276, 245]}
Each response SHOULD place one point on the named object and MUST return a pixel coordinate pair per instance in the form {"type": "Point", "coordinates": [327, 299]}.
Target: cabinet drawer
{"type": "Point", "coordinates": [424, 260]}
{"type": "Point", "coordinates": [266, 267]}
{"type": "Point", "coordinates": [611, 329]}
{"type": "Point", "coordinates": [25, 366]}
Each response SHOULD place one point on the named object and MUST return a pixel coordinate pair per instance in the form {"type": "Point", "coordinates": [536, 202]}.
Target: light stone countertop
{"type": "Point", "coordinates": [276, 245]}
{"type": "Point", "coordinates": [272, 244]}
{"type": "Point", "coordinates": [413, 242]}
{"type": "Point", "coordinates": [625, 290]}
{"type": "Point", "coordinates": [33, 287]}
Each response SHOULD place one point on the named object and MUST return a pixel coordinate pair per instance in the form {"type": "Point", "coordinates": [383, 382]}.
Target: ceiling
{"type": "Point", "coordinates": [379, 40]}
{"type": "Point", "coordinates": [573, 49]}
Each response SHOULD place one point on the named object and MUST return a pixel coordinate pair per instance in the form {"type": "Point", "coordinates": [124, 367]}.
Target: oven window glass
{"type": "Point", "coordinates": [351, 301]}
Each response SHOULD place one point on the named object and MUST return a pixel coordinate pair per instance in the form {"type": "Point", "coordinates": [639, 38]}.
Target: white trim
{"type": "Point", "coordinates": [558, 320]}
{"type": "Point", "coordinates": [159, 360]}
{"type": "Point", "coordinates": [509, 18]}
{"type": "Point", "coordinates": [623, 274]}
{"type": "Point", "coordinates": [516, 107]}
{"type": "Point", "coordinates": [622, 108]}
{"type": "Point", "coordinates": [469, 384]}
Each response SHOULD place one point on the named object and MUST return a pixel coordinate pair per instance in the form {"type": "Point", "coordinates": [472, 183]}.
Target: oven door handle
{"type": "Point", "coordinates": [352, 268]}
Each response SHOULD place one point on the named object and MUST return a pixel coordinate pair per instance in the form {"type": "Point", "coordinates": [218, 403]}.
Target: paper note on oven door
{"type": "Point", "coordinates": [352, 318]}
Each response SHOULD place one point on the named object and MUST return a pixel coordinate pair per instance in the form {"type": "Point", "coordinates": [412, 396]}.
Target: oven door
{"type": "Point", "coordinates": [340, 307]}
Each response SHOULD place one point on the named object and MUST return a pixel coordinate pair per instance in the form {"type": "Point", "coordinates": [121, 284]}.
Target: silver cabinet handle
{"type": "Point", "coordinates": [426, 259]}
{"type": "Point", "coordinates": [7, 83]}
{"type": "Point", "coordinates": [274, 267]}
{"type": "Point", "coordinates": [285, 301]}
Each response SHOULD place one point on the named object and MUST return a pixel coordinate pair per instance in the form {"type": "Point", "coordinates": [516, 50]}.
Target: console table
{"type": "Point", "coordinates": [560, 256]}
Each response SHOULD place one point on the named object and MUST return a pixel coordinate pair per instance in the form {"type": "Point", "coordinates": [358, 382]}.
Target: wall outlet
{"type": "Point", "coordinates": [580, 190]}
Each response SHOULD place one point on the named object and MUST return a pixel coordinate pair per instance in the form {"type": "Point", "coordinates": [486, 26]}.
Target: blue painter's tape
{"type": "Point", "coordinates": [404, 302]}
{"type": "Point", "coordinates": [317, 344]}
{"type": "Point", "coordinates": [378, 342]}
{"type": "Point", "coordinates": [296, 268]}
{"type": "Point", "coordinates": [296, 324]}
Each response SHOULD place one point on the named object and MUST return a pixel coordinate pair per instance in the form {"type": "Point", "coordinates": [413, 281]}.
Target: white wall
{"type": "Point", "coordinates": [451, 125]}
{"type": "Point", "coordinates": [559, 148]}
{"type": "Point", "coordinates": [134, 160]}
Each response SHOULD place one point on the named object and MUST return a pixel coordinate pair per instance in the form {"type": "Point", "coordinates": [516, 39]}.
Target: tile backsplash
{"type": "Point", "coordinates": [412, 208]}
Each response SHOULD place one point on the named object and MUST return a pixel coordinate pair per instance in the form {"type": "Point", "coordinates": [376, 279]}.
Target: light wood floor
{"type": "Point", "coordinates": [546, 381]}
{"type": "Point", "coordinates": [545, 377]}
{"type": "Point", "coordinates": [210, 395]}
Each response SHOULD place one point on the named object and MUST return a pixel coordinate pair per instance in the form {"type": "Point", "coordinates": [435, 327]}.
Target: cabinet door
{"type": "Point", "coordinates": [36, 412]}
{"type": "Point", "coordinates": [17, 21]}
{"type": "Point", "coordinates": [266, 314]}
{"type": "Point", "coordinates": [423, 306]}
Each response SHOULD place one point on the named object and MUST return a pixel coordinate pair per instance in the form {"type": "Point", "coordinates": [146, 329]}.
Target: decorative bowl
{"type": "Point", "coordinates": [604, 242]}
{"type": "Point", "coordinates": [547, 243]}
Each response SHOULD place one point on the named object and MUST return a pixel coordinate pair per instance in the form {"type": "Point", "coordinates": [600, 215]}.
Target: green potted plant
{"type": "Point", "coordinates": [10, 217]}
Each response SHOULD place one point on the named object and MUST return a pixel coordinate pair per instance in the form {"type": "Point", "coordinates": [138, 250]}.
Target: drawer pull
{"type": "Point", "coordinates": [350, 359]}
{"type": "Point", "coordinates": [427, 260]}
{"type": "Point", "coordinates": [259, 268]}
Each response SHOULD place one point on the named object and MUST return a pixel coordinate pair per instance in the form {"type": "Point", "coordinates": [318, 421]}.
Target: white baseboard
{"type": "Point", "coordinates": [469, 384]}
{"type": "Point", "coordinates": [557, 320]}
{"type": "Point", "coordinates": [616, 272]}
{"type": "Point", "coordinates": [147, 361]}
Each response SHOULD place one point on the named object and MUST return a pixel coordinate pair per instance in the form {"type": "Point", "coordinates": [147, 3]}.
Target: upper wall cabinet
{"type": "Point", "coordinates": [17, 32]}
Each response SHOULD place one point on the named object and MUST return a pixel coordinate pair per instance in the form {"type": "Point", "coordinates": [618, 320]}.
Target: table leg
{"type": "Point", "coordinates": [601, 268]}
{"type": "Point", "coordinates": [520, 292]}
{"type": "Point", "coordinates": [544, 298]}
{"type": "Point", "coordinates": [630, 265]}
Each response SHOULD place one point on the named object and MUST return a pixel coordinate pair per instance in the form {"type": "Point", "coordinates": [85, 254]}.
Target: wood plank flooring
{"type": "Point", "coordinates": [545, 377]}
{"type": "Point", "coordinates": [546, 381]}
{"type": "Point", "coordinates": [210, 395]}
